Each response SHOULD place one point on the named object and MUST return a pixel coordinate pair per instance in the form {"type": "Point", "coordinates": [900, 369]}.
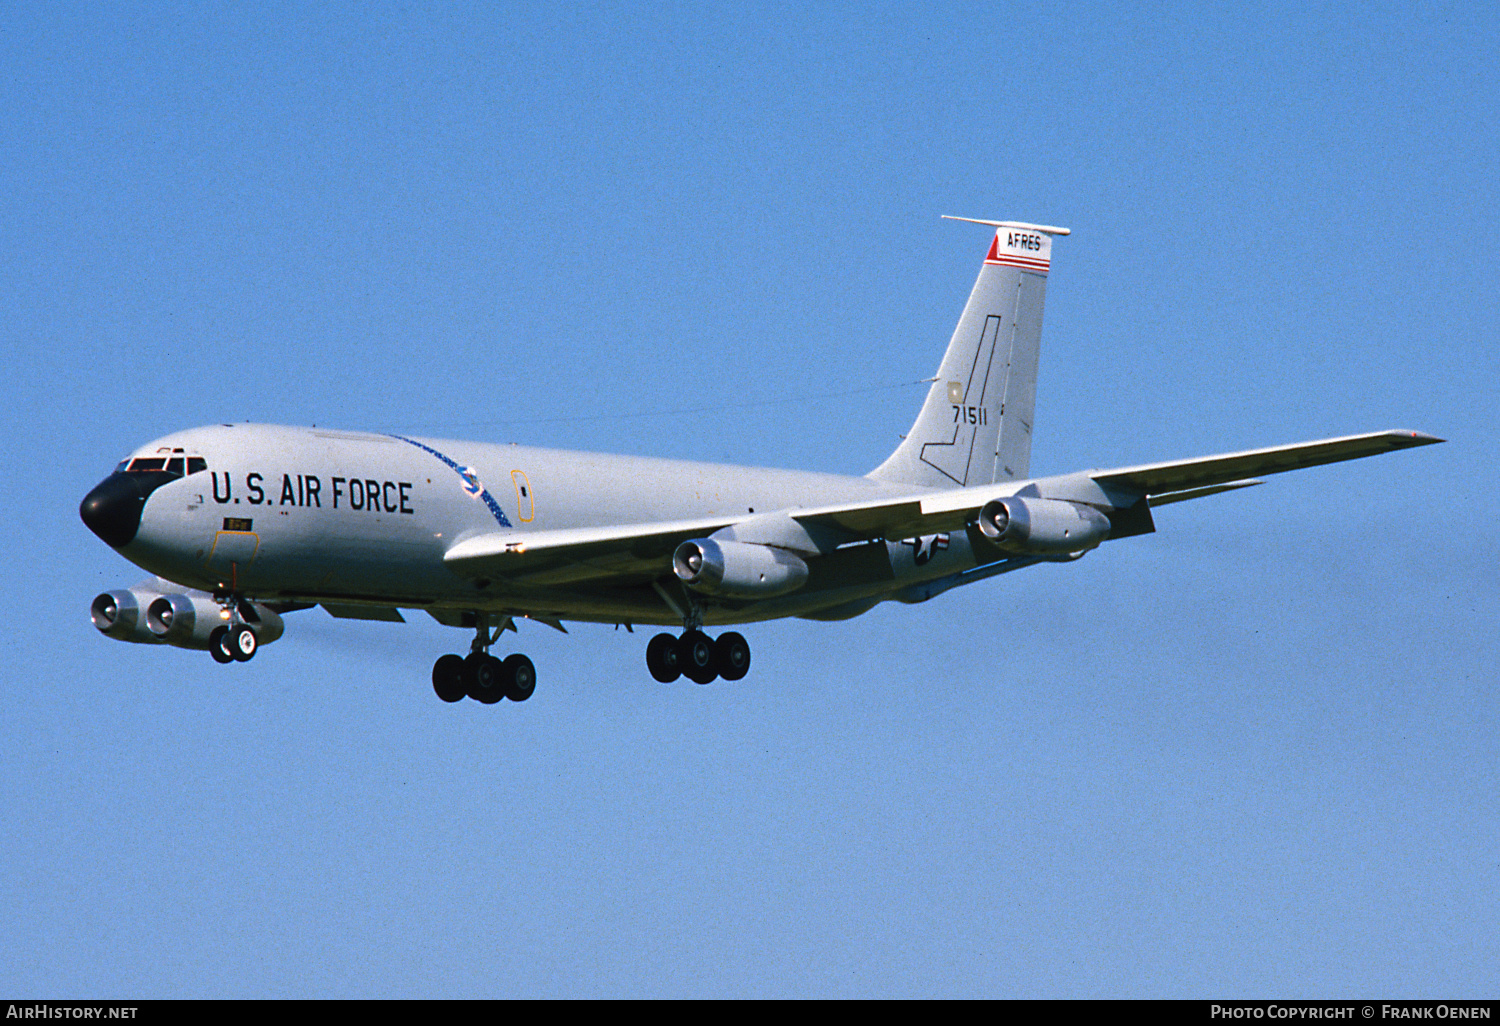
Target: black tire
{"type": "Point", "coordinates": [519, 677]}
{"type": "Point", "coordinates": [217, 646]}
{"type": "Point", "coordinates": [482, 678]}
{"type": "Point", "coordinates": [695, 650]}
{"type": "Point", "coordinates": [242, 643]}
{"type": "Point", "coordinates": [662, 658]}
{"type": "Point", "coordinates": [732, 656]}
{"type": "Point", "coordinates": [448, 678]}
{"type": "Point", "coordinates": [471, 663]}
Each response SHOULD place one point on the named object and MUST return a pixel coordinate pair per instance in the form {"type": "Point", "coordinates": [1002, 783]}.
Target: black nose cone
{"type": "Point", "coordinates": [113, 509]}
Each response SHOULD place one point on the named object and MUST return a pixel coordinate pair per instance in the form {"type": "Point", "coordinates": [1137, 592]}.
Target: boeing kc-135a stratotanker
{"type": "Point", "coordinates": [243, 523]}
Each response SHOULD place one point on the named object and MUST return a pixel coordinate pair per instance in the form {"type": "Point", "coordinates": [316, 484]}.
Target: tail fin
{"type": "Point", "coordinates": [975, 427]}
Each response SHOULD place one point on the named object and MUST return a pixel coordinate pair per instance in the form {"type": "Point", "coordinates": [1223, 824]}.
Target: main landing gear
{"type": "Point", "coordinates": [481, 676]}
{"type": "Point", "coordinates": [698, 657]}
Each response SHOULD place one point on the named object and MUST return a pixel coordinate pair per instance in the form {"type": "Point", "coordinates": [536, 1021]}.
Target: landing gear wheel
{"type": "Point", "coordinates": [482, 678]}
{"type": "Point", "coordinates": [696, 653]}
{"type": "Point", "coordinates": [241, 642]}
{"type": "Point", "coordinates": [732, 656]}
{"type": "Point", "coordinates": [448, 678]}
{"type": "Point", "coordinates": [466, 675]}
{"type": "Point", "coordinates": [662, 658]}
{"type": "Point", "coordinates": [218, 646]}
{"type": "Point", "coordinates": [519, 677]}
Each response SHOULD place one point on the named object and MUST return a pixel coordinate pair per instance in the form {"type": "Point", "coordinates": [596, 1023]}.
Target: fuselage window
{"type": "Point", "coordinates": [174, 465]}
{"type": "Point", "coordinates": [196, 464]}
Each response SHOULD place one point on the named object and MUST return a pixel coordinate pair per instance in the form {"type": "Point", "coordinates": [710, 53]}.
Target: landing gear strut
{"type": "Point", "coordinates": [481, 676]}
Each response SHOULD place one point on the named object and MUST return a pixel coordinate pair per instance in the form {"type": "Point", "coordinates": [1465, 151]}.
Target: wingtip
{"type": "Point", "coordinates": [1418, 437]}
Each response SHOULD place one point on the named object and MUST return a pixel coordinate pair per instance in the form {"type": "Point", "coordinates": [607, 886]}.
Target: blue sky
{"type": "Point", "coordinates": [1253, 754]}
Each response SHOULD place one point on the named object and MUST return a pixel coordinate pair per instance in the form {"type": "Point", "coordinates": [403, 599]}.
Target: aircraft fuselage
{"type": "Point", "coordinates": [313, 515]}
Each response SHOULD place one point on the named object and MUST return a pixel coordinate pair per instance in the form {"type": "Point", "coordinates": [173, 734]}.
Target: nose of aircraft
{"type": "Point", "coordinates": [113, 509]}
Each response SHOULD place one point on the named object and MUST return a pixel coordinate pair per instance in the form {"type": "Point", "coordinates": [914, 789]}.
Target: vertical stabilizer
{"type": "Point", "coordinates": [975, 427]}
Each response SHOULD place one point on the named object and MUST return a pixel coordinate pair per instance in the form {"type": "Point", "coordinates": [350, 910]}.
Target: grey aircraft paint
{"type": "Point", "coordinates": [241, 522]}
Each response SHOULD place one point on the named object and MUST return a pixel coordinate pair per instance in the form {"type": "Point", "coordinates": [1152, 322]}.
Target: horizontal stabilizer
{"type": "Point", "coordinates": [1021, 225]}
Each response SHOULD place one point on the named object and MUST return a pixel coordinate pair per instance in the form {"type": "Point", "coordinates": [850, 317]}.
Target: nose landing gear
{"type": "Point", "coordinates": [235, 640]}
{"type": "Point", "coordinates": [481, 676]}
{"type": "Point", "coordinates": [233, 643]}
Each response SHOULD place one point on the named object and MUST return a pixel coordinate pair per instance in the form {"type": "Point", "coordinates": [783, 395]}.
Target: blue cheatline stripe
{"type": "Point", "coordinates": [484, 493]}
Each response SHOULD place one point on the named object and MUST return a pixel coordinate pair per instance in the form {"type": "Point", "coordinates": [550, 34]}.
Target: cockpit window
{"type": "Point", "coordinates": [173, 462]}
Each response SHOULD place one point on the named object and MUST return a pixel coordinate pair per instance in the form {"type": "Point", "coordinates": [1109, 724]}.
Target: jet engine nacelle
{"type": "Point", "coordinates": [738, 569]}
{"type": "Point", "coordinates": [122, 614]}
{"type": "Point", "coordinates": [147, 617]}
{"type": "Point", "coordinates": [187, 620]}
{"type": "Point", "coordinates": [1039, 526]}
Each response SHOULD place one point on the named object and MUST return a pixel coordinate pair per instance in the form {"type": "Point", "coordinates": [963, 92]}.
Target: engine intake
{"type": "Point", "coordinates": [172, 617]}
{"type": "Point", "coordinates": [1038, 526]}
{"type": "Point", "coordinates": [738, 569]}
{"type": "Point", "coordinates": [122, 615]}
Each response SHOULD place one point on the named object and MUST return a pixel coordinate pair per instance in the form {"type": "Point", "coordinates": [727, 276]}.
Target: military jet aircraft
{"type": "Point", "coordinates": [244, 523]}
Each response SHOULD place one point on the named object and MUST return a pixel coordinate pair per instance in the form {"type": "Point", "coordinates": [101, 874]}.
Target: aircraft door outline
{"type": "Point", "coordinates": [525, 499]}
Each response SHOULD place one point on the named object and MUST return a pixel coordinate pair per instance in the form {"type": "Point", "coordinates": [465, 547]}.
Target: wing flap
{"type": "Point", "coordinates": [350, 611]}
{"type": "Point", "coordinates": [1165, 498]}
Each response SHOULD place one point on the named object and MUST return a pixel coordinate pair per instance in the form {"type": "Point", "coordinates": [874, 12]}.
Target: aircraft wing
{"type": "Point", "coordinates": [1211, 473]}
{"type": "Point", "coordinates": [578, 555]}
{"type": "Point", "coordinates": [1161, 483]}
